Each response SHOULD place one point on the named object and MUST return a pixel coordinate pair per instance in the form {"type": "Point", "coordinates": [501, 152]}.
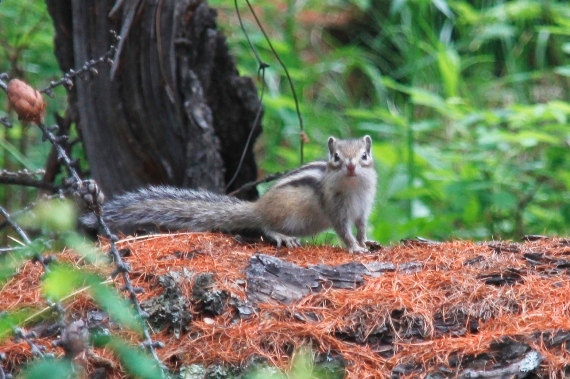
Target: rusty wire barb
{"type": "Point", "coordinates": [37, 257]}
{"type": "Point", "coordinates": [85, 190]}
{"type": "Point", "coordinates": [15, 226]}
{"type": "Point", "coordinates": [3, 375]}
{"type": "Point", "coordinates": [37, 351]}
{"type": "Point", "coordinates": [27, 178]}
{"type": "Point", "coordinates": [61, 154]}
{"type": "Point", "coordinates": [87, 69]}
{"type": "Point", "coordinates": [27, 208]}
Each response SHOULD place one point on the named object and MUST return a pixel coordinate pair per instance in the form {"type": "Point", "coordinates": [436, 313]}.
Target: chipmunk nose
{"type": "Point", "coordinates": [351, 168]}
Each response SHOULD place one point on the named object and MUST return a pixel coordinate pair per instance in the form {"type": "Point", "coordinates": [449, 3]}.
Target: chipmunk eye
{"type": "Point", "coordinates": [336, 157]}
{"type": "Point", "coordinates": [364, 156]}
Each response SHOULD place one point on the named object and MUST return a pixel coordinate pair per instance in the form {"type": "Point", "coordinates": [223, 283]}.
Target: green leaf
{"type": "Point", "coordinates": [443, 7]}
{"type": "Point", "coordinates": [397, 184]}
{"type": "Point", "coordinates": [428, 99]}
{"type": "Point", "coordinates": [362, 5]}
{"type": "Point", "coordinates": [48, 368]}
{"type": "Point", "coordinates": [280, 102]}
{"type": "Point", "coordinates": [136, 362]}
{"type": "Point", "coordinates": [513, 11]}
{"type": "Point", "coordinates": [385, 153]}
{"type": "Point", "coordinates": [266, 372]}
{"type": "Point", "coordinates": [10, 261]}
{"type": "Point", "coordinates": [563, 70]}
{"type": "Point", "coordinates": [420, 209]}
{"type": "Point", "coordinates": [61, 281]}
{"type": "Point", "coordinates": [13, 150]}
{"type": "Point", "coordinates": [396, 6]}
{"type": "Point", "coordinates": [10, 320]}
{"type": "Point", "coordinates": [302, 364]}
{"type": "Point", "coordinates": [51, 216]}
{"type": "Point", "coordinates": [85, 249]}
{"type": "Point", "coordinates": [378, 114]}
{"type": "Point", "coordinates": [116, 306]}
{"type": "Point", "coordinates": [465, 12]}
{"type": "Point", "coordinates": [494, 32]}
{"type": "Point", "coordinates": [449, 64]}
{"type": "Point", "coordinates": [504, 201]}
{"type": "Point", "coordinates": [472, 210]}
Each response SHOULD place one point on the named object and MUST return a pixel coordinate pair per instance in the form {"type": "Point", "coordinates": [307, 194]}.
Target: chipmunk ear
{"type": "Point", "coordinates": [367, 142]}
{"type": "Point", "coordinates": [332, 142]}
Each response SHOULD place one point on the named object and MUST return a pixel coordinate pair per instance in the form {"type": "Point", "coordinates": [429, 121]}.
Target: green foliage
{"type": "Point", "coordinates": [303, 366]}
{"type": "Point", "coordinates": [27, 53]}
{"type": "Point", "coordinates": [116, 306]}
{"type": "Point", "coordinates": [57, 368]}
{"type": "Point", "coordinates": [9, 263]}
{"type": "Point", "coordinates": [61, 282]}
{"type": "Point", "coordinates": [137, 363]}
{"type": "Point", "coordinates": [51, 216]}
{"type": "Point", "coordinates": [467, 103]}
{"type": "Point", "coordinates": [27, 34]}
{"type": "Point", "coordinates": [9, 320]}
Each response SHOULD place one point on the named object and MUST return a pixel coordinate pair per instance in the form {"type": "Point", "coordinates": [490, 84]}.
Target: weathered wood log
{"type": "Point", "coordinates": [270, 278]}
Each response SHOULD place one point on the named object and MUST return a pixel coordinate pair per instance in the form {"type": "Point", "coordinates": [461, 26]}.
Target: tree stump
{"type": "Point", "coordinates": [172, 110]}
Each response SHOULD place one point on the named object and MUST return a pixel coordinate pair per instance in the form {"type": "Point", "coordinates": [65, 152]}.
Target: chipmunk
{"type": "Point", "coordinates": [337, 193]}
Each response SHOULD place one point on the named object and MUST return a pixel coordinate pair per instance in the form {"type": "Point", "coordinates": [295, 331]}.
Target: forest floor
{"type": "Point", "coordinates": [416, 309]}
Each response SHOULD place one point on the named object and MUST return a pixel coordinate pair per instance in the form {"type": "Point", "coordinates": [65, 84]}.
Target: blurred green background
{"type": "Point", "coordinates": [467, 103]}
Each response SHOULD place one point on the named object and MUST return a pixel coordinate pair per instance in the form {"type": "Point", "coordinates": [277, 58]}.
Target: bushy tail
{"type": "Point", "coordinates": [169, 208]}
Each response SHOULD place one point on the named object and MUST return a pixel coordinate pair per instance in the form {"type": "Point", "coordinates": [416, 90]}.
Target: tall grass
{"type": "Point", "coordinates": [467, 102]}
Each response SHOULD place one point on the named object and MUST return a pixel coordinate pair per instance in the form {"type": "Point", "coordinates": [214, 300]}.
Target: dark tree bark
{"type": "Point", "coordinates": [173, 109]}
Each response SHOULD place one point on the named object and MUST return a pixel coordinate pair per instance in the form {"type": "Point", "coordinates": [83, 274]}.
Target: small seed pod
{"type": "Point", "coordinates": [304, 138]}
{"type": "Point", "coordinates": [26, 101]}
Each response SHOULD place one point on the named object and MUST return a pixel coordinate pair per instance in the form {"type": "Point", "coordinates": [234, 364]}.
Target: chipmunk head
{"type": "Point", "coordinates": [350, 155]}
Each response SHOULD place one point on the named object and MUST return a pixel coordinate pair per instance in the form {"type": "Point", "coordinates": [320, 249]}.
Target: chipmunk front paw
{"type": "Point", "coordinates": [282, 239]}
{"type": "Point", "coordinates": [356, 249]}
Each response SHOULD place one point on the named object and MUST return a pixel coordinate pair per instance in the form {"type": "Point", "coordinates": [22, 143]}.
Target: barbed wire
{"type": "Point", "coordinates": [88, 67]}
{"type": "Point", "coordinates": [26, 178]}
{"type": "Point", "coordinates": [86, 190]}
{"type": "Point", "coordinates": [3, 375]}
